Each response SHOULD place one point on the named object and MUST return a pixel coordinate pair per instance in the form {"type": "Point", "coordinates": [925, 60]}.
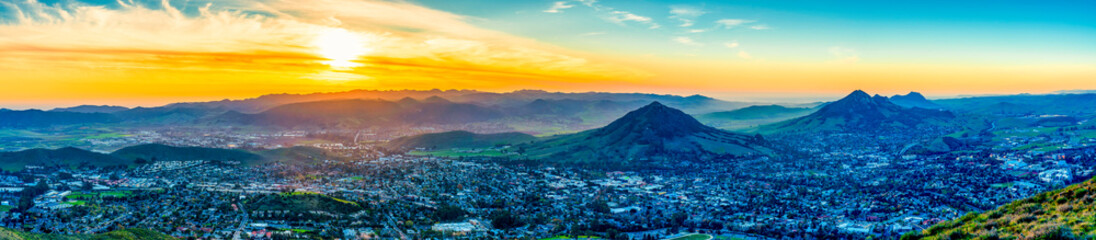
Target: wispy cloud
{"type": "Point", "coordinates": [732, 23]}
{"type": "Point", "coordinates": [687, 41]}
{"type": "Point", "coordinates": [744, 55]}
{"type": "Point", "coordinates": [760, 27]}
{"type": "Point", "coordinates": [394, 41]}
{"type": "Point", "coordinates": [685, 14]}
{"type": "Point", "coordinates": [620, 17]}
{"type": "Point", "coordinates": [731, 44]}
{"type": "Point", "coordinates": [558, 6]}
{"type": "Point", "coordinates": [844, 55]}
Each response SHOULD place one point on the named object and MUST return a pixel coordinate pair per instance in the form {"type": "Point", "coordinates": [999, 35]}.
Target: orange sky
{"type": "Point", "coordinates": [152, 54]}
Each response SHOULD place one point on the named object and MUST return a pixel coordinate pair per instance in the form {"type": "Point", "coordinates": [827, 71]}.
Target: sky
{"type": "Point", "coordinates": [148, 53]}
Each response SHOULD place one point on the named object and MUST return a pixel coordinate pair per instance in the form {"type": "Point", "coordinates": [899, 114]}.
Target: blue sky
{"type": "Point", "coordinates": [992, 32]}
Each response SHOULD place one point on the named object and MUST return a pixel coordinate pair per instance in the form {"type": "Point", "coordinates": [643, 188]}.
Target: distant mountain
{"type": "Point", "coordinates": [91, 109]}
{"type": "Point", "coordinates": [62, 157]}
{"type": "Point", "coordinates": [694, 103]}
{"type": "Point", "coordinates": [862, 112]}
{"type": "Point", "coordinates": [652, 134]}
{"type": "Point", "coordinates": [458, 139]}
{"type": "Point", "coordinates": [355, 113]}
{"type": "Point", "coordinates": [1024, 104]}
{"type": "Point", "coordinates": [124, 234]}
{"type": "Point", "coordinates": [914, 99]}
{"type": "Point", "coordinates": [757, 112]}
{"type": "Point", "coordinates": [162, 152]}
{"type": "Point", "coordinates": [38, 118]}
{"type": "Point", "coordinates": [1059, 214]}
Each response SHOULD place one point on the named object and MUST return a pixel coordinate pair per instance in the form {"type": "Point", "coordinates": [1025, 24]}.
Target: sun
{"type": "Point", "coordinates": [341, 47]}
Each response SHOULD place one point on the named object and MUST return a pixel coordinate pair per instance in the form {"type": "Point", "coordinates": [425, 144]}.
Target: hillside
{"type": "Point", "coordinates": [125, 234]}
{"type": "Point", "coordinates": [458, 139]}
{"type": "Point", "coordinates": [294, 155]}
{"type": "Point", "coordinates": [914, 99]}
{"type": "Point", "coordinates": [38, 118]}
{"type": "Point", "coordinates": [91, 109]}
{"type": "Point", "coordinates": [62, 157]}
{"type": "Point", "coordinates": [162, 152]}
{"type": "Point", "coordinates": [757, 112]}
{"type": "Point", "coordinates": [1066, 213]}
{"type": "Point", "coordinates": [862, 112]}
{"type": "Point", "coordinates": [652, 134]}
{"type": "Point", "coordinates": [299, 202]}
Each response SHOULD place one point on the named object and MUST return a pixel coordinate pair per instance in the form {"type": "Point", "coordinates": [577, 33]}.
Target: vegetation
{"type": "Point", "coordinates": [1068, 213]}
{"type": "Point", "coordinates": [459, 139]}
{"type": "Point", "coordinates": [63, 157]}
{"type": "Point", "coordinates": [300, 202]}
{"type": "Point", "coordinates": [125, 234]}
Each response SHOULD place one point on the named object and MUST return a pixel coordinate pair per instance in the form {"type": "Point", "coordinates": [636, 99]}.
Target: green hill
{"type": "Point", "coordinates": [300, 202]}
{"type": "Point", "coordinates": [295, 155]}
{"type": "Point", "coordinates": [169, 153]}
{"type": "Point", "coordinates": [1068, 213]}
{"type": "Point", "coordinates": [125, 234]}
{"type": "Point", "coordinates": [459, 139]}
{"type": "Point", "coordinates": [62, 157]}
{"type": "Point", "coordinates": [654, 134]}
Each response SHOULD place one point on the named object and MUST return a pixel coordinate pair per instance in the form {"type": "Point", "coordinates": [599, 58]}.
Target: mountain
{"type": "Point", "coordinates": [914, 99]}
{"type": "Point", "coordinates": [1025, 104]}
{"type": "Point", "coordinates": [694, 103]}
{"type": "Point", "coordinates": [124, 234]}
{"type": "Point", "coordinates": [757, 112]}
{"type": "Point", "coordinates": [295, 155]}
{"type": "Point", "coordinates": [62, 157]}
{"type": "Point", "coordinates": [162, 152]}
{"type": "Point", "coordinates": [862, 112]}
{"type": "Point", "coordinates": [1059, 214]}
{"type": "Point", "coordinates": [652, 134]}
{"type": "Point", "coordinates": [91, 109]}
{"type": "Point", "coordinates": [37, 118]}
{"type": "Point", "coordinates": [356, 113]}
{"type": "Point", "coordinates": [458, 139]}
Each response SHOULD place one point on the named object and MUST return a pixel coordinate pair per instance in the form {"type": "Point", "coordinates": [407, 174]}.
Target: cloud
{"type": "Point", "coordinates": [760, 27]}
{"type": "Point", "coordinates": [395, 41]}
{"type": "Point", "coordinates": [844, 55]}
{"type": "Point", "coordinates": [557, 6]}
{"type": "Point", "coordinates": [592, 34]}
{"type": "Point", "coordinates": [685, 14]}
{"type": "Point", "coordinates": [620, 17]}
{"type": "Point", "coordinates": [732, 23]}
{"type": "Point", "coordinates": [744, 55]}
{"type": "Point", "coordinates": [731, 44]}
{"type": "Point", "coordinates": [697, 30]}
{"type": "Point", "coordinates": [687, 41]}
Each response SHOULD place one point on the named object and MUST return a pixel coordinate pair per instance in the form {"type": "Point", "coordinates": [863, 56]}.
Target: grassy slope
{"type": "Point", "coordinates": [126, 234]}
{"type": "Point", "coordinates": [1069, 213]}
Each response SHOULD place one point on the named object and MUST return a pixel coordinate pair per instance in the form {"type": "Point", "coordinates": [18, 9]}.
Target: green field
{"type": "Point", "coordinates": [694, 237]}
{"type": "Point", "coordinates": [87, 195]}
{"type": "Point", "coordinates": [568, 237]}
{"type": "Point", "coordinates": [5, 208]}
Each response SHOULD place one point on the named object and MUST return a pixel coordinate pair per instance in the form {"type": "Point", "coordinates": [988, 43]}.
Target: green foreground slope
{"type": "Point", "coordinates": [1068, 213]}
{"type": "Point", "coordinates": [125, 234]}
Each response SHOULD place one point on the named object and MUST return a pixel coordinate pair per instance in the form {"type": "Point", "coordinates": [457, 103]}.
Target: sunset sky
{"type": "Point", "coordinates": [148, 53]}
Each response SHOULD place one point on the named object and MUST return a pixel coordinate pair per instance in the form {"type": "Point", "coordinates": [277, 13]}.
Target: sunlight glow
{"type": "Point", "coordinates": [341, 47]}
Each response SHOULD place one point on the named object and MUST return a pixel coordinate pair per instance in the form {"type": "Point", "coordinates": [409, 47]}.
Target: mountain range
{"type": "Point", "coordinates": [860, 111]}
